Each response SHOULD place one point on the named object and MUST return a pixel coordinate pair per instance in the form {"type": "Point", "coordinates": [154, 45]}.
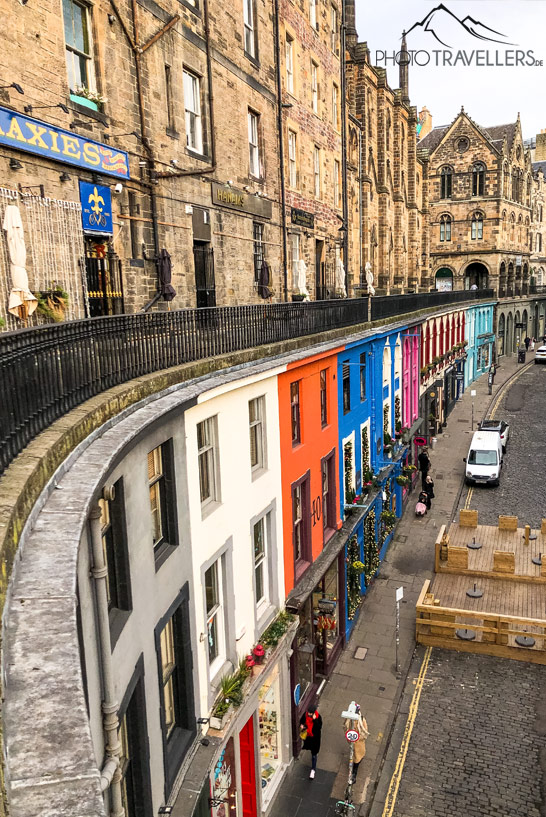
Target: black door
{"type": "Point", "coordinates": [205, 285]}
{"type": "Point", "coordinates": [320, 284]}
{"type": "Point", "coordinates": [104, 285]}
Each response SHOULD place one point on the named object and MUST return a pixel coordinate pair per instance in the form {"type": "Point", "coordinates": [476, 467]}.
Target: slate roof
{"type": "Point", "coordinates": [495, 134]}
{"type": "Point", "coordinates": [536, 166]}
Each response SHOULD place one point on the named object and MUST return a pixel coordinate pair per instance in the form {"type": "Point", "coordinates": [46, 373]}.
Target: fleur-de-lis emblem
{"type": "Point", "coordinates": [95, 198]}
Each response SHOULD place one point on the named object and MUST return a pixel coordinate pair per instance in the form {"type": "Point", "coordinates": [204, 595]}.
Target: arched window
{"type": "Point", "coordinates": [514, 185]}
{"type": "Point", "coordinates": [446, 179]}
{"type": "Point", "coordinates": [512, 226]}
{"type": "Point", "coordinates": [504, 221]}
{"type": "Point", "coordinates": [506, 180]}
{"type": "Point", "coordinates": [388, 132]}
{"type": "Point", "coordinates": [477, 227]}
{"type": "Point", "coordinates": [478, 179]}
{"type": "Point", "coordinates": [528, 201]}
{"type": "Point", "coordinates": [445, 228]}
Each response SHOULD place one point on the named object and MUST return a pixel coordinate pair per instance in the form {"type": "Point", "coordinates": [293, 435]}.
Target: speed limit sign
{"type": "Point", "coordinates": [352, 735]}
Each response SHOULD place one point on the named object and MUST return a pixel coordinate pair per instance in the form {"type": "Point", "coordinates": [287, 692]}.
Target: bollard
{"type": "Point", "coordinates": [527, 534]}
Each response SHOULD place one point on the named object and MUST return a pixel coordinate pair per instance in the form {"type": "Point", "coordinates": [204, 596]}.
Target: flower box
{"type": "Point", "coordinates": [82, 100]}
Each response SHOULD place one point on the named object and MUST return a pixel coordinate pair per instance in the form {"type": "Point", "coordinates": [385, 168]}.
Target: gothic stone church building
{"type": "Point", "coordinates": [479, 192]}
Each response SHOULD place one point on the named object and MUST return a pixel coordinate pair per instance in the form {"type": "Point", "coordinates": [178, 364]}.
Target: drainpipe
{"type": "Point", "coordinates": [281, 144]}
{"type": "Point", "coordinates": [111, 772]}
{"type": "Point", "coordinates": [212, 168]}
{"type": "Point", "coordinates": [344, 147]}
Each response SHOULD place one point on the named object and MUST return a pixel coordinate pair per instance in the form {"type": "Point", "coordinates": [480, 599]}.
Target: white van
{"type": "Point", "coordinates": [484, 460]}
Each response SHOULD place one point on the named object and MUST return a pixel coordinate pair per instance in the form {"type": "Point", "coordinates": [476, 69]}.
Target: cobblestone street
{"type": "Point", "coordinates": [522, 488]}
{"type": "Point", "coordinates": [477, 740]}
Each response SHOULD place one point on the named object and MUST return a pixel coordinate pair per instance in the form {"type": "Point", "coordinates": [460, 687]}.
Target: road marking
{"type": "Point", "coordinates": [392, 794]}
{"type": "Point", "coordinates": [468, 498]}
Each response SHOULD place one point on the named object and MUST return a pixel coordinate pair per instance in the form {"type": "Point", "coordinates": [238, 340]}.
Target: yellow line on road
{"type": "Point", "coordinates": [394, 785]}
{"type": "Point", "coordinates": [468, 498]}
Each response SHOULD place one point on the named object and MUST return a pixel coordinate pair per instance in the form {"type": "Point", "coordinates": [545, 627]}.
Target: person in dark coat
{"type": "Point", "coordinates": [424, 465]}
{"type": "Point", "coordinates": [428, 488]}
{"type": "Point", "coordinates": [310, 732]}
{"type": "Point", "coordinates": [527, 341]}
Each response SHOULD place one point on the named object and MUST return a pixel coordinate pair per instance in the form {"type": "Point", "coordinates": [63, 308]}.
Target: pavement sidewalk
{"type": "Point", "coordinates": [372, 681]}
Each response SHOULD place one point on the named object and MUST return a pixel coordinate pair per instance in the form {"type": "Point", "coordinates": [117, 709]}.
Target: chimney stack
{"type": "Point", "coordinates": [540, 151]}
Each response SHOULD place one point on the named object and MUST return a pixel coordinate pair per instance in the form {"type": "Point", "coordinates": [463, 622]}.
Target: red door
{"type": "Point", "coordinates": [248, 769]}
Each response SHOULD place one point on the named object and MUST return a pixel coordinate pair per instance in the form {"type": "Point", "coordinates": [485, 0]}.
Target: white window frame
{"type": "Point", "coordinates": [335, 106]}
{"type": "Point", "coordinates": [316, 171]}
{"type": "Point", "coordinates": [75, 53]}
{"type": "Point", "coordinates": [250, 32]}
{"type": "Point", "coordinates": [314, 86]}
{"type": "Point", "coordinates": [262, 564]}
{"type": "Point", "coordinates": [216, 616]}
{"type": "Point", "coordinates": [289, 59]}
{"type": "Point", "coordinates": [192, 111]}
{"type": "Point", "coordinates": [209, 451]}
{"type": "Point", "coordinates": [258, 424]}
{"type": "Point", "coordinates": [292, 159]}
{"type": "Point", "coordinates": [313, 13]}
{"type": "Point", "coordinates": [253, 144]}
{"type": "Point", "coordinates": [334, 30]}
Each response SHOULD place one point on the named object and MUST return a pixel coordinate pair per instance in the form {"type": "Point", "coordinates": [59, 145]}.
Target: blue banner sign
{"type": "Point", "coordinates": [23, 132]}
{"type": "Point", "coordinates": [96, 202]}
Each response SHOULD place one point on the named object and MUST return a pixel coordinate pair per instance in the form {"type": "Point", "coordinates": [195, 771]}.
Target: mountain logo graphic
{"type": "Point", "coordinates": [443, 24]}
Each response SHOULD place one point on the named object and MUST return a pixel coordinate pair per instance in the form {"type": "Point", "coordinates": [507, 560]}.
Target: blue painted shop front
{"type": "Point", "coordinates": [479, 336]}
{"type": "Point", "coordinates": [371, 456]}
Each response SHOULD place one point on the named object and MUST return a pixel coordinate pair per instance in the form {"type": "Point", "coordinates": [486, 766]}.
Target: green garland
{"type": "Point", "coordinates": [348, 470]}
{"type": "Point", "coordinates": [365, 450]}
{"type": "Point", "coordinates": [397, 413]}
{"type": "Point", "coordinates": [371, 552]}
{"type": "Point", "coordinates": [353, 577]}
{"type": "Point", "coordinates": [386, 423]}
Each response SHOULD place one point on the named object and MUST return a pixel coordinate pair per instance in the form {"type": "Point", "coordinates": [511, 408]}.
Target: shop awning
{"type": "Point", "coordinates": [415, 427]}
{"type": "Point", "coordinates": [314, 574]}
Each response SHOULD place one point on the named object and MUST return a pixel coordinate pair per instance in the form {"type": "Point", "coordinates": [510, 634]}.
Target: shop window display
{"type": "Point", "coordinates": [306, 649]}
{"type": "Point", "coordinates": [269, 722]}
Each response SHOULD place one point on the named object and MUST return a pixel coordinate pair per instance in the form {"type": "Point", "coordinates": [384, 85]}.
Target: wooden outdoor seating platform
{"type": "Point", "coordinates": [512, 604]}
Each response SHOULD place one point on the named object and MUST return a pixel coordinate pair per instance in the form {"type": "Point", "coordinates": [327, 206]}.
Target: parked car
{"type": "Point", "coordinates": [540, 354]}
{"type": "Point", "coordinates": [499, 426]}
{"type": "Point", "coordinates": [484, 460]}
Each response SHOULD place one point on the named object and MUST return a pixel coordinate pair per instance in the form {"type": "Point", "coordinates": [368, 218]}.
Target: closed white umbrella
{"type": "Point", "coordinates": [340, 278]}
{"type": "Point", "coordinates": [302, 278]}
{"type": "Point", "coordinates": [22, 302]}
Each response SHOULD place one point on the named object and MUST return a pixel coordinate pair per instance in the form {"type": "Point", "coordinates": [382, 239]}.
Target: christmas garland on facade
{"type": "Point", "coordinates": [397, 413]}
{"type": "Point", "coordinates": [371, 553]}
{"type": "Point", "coordinates": [353, 576]}
{"type": "Point", "coordinates": [348, 470]}
{"type": "Point", "coordinates": [365, 450]}
{"type": "Point", "coordinates": [386, 424]}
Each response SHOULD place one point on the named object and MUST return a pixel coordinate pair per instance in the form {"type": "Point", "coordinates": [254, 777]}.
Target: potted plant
{"type": "Point", "coordinates": [388, 518]}
{"type": "Point", "coordinates": [258, 653]}
{"type": "Point", "coordinates": [402, 480]}
{"type": "Point", "coordinates": [85, 96]}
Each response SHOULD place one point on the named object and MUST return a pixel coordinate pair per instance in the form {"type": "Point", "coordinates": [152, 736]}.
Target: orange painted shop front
{"type": "Point", "coordinates": [308, 416]}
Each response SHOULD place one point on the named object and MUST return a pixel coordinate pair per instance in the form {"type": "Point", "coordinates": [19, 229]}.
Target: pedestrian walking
{"type": "Point", "coordinates": [428, 488]}
{"type": "Point", "coordinates": [310, 732]}
{"type": "Point", "coordinates": [527, 341]}
{"type": "Point", "coordinates": [424, 464]}
{"type": "Point", "coordinates": [532, 345]}
{"type": "Point", "coordinates": [360, 745]}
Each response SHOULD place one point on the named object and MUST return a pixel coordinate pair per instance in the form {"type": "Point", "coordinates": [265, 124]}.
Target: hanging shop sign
{"type": "Point", "coordinates": [227, 196]}
{"type": "Point", "coordinates": [96, 202]}
{"type": "Point", "coordinates": [33, 136]}
{"type": "Point", "coordinates": [302, 218]}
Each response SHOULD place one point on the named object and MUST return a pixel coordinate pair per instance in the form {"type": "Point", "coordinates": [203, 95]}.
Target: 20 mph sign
{"type": "Point", "coordinates": [352, 735]}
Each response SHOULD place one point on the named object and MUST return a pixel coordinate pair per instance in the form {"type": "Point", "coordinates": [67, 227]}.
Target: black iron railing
{"type": "Point", "coordinates": [48, 370]}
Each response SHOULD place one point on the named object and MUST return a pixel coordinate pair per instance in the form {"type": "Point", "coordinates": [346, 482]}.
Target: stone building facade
{"type": "Point", "coordinates": [313, 137]}
{"type": "Point", "coordinates": [185, 99]}
{"type": "Point", "coordinates": [538, 225]}
{"type": "Point", "coordinates": [392, 192]}
{"type": "Point", "coordinates": [479, 191]}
